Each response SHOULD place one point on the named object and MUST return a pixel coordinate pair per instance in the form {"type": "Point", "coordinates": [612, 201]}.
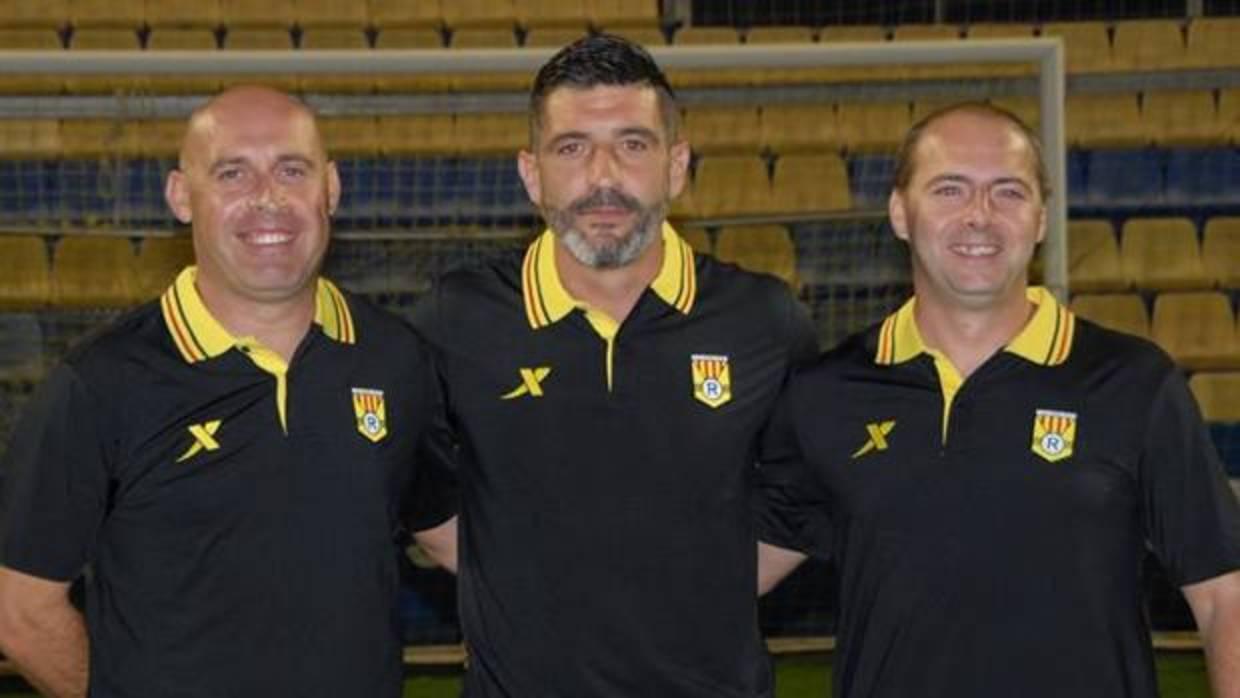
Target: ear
{"type": "Point", "coordinates": [333, 187]}
{"type": "Point", "coordinates": [1042, 223]}
{"type": "Point", "coordinates": [897, 214]}
{"type": "Point", "coordinates": [678, 171]}
{"type": "Point", "coordinates": [176, 194]}
{"type": "Point", "coordinates": [527, 166]}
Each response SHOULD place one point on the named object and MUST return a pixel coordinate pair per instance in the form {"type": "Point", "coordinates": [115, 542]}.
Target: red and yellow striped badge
{"type": "Point", "coordinates": [1054, 433]}
{"type": "Point", "coordinates": [371, 414]}
{"type": "Point", "coordinates": [712, 379]}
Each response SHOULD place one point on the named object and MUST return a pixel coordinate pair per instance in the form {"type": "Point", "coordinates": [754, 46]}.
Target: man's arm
{"type": "Point", "coordinates": [439, 544]}
{"type": "Point", "coordinates": [1216, 607]}
{"type": "Point", "coordinates": [43, 634]}
{"type": "Point", "coordinates": [775, 563]}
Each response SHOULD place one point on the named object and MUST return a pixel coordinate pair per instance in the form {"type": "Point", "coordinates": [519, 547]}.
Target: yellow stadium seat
{"type": "Point", "coordinates": [350, 136]}
{"type": "Point", "coordinates": [698, 239]}
{"type": "Point", "coordinates": [1162, 254]}
{"type": "Point", "coordinates": [106, 13]}
{"type": "Point", "coordinates": [708, 36]}
{"type": "Point", "coordinates": [761, 248]}
{"type": "Point", "coordinates": [867, 127]}
{"type": "Point", "coordinates": [26, 281]}
{"type": "Point", "coordinates": [731, 185]}
{"type": "Point", "coordinates": [158, 138]}
{"type": "Point", "coordinates": [1218, 395]}
{"type": "Point", "coordinates": [1182, 118]}
{"type": "Point", "coordinates": [1212, 42]}
{"type": "Point", "coordinates": [788, 128]}
{"type": "Point", "coordinates": [925, 107]}
{"type": "Point", "coordinates": [96, 138]}
{"type": "Point", "coordinates": [1124, 312]}
{"type": "Point", "coordinates": [550, 13]}
{"type": "Point", "coordinates": [1229, 113]}
{"type": "Point", "coordinates": [1104, 121]}
{"type": "Point", "coordinates": [179, 39]}
{"type": "Point", "coordinates": [331, 13]}
{"type": "Point", "coordinates": [780, 35]}
{"type": "Point", "coordinates": [723, 129]}
{"type": "Point", "coordinates": [479, 13]}
{"type": "Point", "coordinates": [409, 37]}
{"type": "Point", "coordinates": [35, 39]}
{"type": "Point", "coordinates": [929, 32]}
{"type": "Point", "coordinates": [647, 36]}
{"type": "Point", "coordinates": [405, 13]}
{"type": "Point", "coordinates": [702, 36]}
{"type": "Point", "coordinates": [159, 261]}
{"type": "Point", "coordinates": [1026, 108]}
{"type": "Point", "coordinates": [336, 39]}
{"type": "Point", "coordinates": [104, 39]}
{"type": "Point", "coordinates": [810, 183]}
{"type": "Point", "coordinates": [183, 13]}
{"type": "Point", "coordinates": [417, 134]}
{"type": "Point", "coordinates": [1220, 251]}
{"type": "Point", "coordinates": [1093, 257]}
{"type": "Point", "coordinates": [30, 138]}
{"type": "Point", "coordinates": [491, 134]}
{"type": "Point", "coordinates": [43, 14]}
{"type": "Point", "coordinates": [1087, 49]}
{"type": "Point", "coordinates": [258, 13]}
{"type": "Point", "coordinates": [684, 206]}
{"type": "Point", "coordinates": [484, 37]}
{"type": "Point", "coordinates": [1004, 30]}
{"type": "Point", "coordinates": [1149, 44]}
{"type": "Point", "coordinates": [553, 37]}
{"type": "Point", "coordinates": [94, 272]}
{"type": "Point", "coordinates": [473, 37]}
{"type": "Point", "coordinates": [1198, 329]}
{"type": "Point", "coordinates": [255, 38]}
{"type": "Point", "coordinates": [614, 14]}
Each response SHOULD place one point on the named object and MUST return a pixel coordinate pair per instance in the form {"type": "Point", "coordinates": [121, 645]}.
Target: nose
{"type": "Point", "coordinates": [602, 167]}
{"type": "Point", "coordinates": [268, 195]}
{"type": "Point", "coordinates": [978, 211]}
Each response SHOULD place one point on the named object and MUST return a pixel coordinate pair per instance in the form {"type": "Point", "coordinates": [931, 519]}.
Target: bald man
{"type": "Point", "coordinates": [228, 467]}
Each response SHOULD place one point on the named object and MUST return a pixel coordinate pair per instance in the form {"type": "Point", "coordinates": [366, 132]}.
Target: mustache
{"type": "Point", "coordinates": [608, 198]}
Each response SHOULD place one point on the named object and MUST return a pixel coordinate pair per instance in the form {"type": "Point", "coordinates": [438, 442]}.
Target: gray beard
{"type": "Point", "coordinates": [607, 253]}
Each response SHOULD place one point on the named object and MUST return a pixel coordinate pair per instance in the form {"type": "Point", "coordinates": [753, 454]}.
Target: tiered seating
{"type": "Point", "coordinates": [810, 183]}
{"type": "Point", "coordinates": [159, 261]}
{"type": "Point", "coordinates": [389, 14]}
{"type": "Point", "coordinates": [1162, 254]}
{"type": "Point", "coordinates": [713, 130]}
{"type": "Point", "coordinates": [1220, 251]}
{"type": "Point", "coordinates": [94, 272]}
{"type": "Point", "coordinates": [126, 14]}
{"type": "Point", "coordinates": [44, 14]}
{"type": "Point", "coordinates": [30, 38]}
{"type": "Point", "coordinates": [798, 128]}
{"type": "Point", "coordinates": [330, 13]}
{"type": "Point", "coordinates": [616, 14]}
{"type": "Point", "coordinates": [478, 13]}
{"type": "Point", "coordinates": [1093, 257]}
{"type": "Point", "coordinates": [1104, 121]}
{"type": "Point", "coordinates": [182, 14]}
{"type": "Point", "coordinates": [1087, 49]}
{"type": "Point", "coordinates": [731, 185]}
{"type": "Point", "coordinates": [1118, 311]}
{"type": "Point", "coordinates": [1198, 329]}
{"type": "Point", "coordinates": [867, 127]}
{"type": "Point", "coordinates": [760, 248]}
{"type": "Point", "coordinates": [550, 13]}
{"type": "Point", "coordinates": [25, 283]}
{"type": "Point", "coordinates": [1149, 44]}
{"type": "Point", "coordinates": [258, 13]}
{"type": "Point", "coordinates": [245, 36]}
{"type": "Point", "coordinates": [174, 38]}
{"type": "Point", "coordinates": [1218, 395]}
{"type": "Point", "coordinates": [1212, 42]}
{"type": "Point", "coordinates": [350, 136]}
{"type": "Point", "coordinates": [1182, 118]}
{"type": "Point", "coordinates": [552, 37]}
{"type": "Point", "coordinates": [105, 38]}
{"type": "Point", "coordinates": [30, 138]}
{"type": "Point", "coordinates": [21, 351]}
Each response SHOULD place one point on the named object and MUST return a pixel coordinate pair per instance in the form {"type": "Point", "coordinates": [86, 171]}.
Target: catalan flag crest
{"type": "Point", "coordinates": [1054, 433]}
{"type": "Point", "coordinates": [370, 412]}
{"type": "Point", "coordinates": [712, 379]}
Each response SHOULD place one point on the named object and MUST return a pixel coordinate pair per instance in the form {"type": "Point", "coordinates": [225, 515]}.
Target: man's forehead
{"type": "Point", "coordinates": [569, 104]}
{"type": "Point", "coordinates": [979, 142]}
{"type": "Point", "coordinates": [213, 134]}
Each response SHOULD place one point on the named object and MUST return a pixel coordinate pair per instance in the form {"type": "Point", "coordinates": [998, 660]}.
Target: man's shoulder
{"type": "Point", "coordinates": [133, 332]}
{"type": "Point", "coordinates": [727, 278]}
{"type": "Point", "coordinates": [1093, 344]}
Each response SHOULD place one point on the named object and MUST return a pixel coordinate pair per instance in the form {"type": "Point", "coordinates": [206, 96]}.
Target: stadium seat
{"type": "Point", "coordinates": [251, 38]}
{"type": "Point", "coordinates": [160, 259]}
{"type": "Point", "coordinates": [416, 134]}
{"type": "Point", "coordinates": [1207, 176]}
{"type": "Point", "coordinates": [331, 13]}
{"type": "Point", "coordinates": [986, 30]}
{"type": "Point", "coordinates": [1198, 329]}
{"type": "Point", "coordinates": [158, 138]}
{"type": "Point", "coordinates": [1093, 257]}
{"type": "Point", "coordinates": [761, 248]}
{"type": "Point", "coordinates": [258, 13]}
{"type": "Point", "coordinates": [479, 13]}
{"type": "Point", "coordinates": [1026, 108]}
{"type": "Point", "coordinates": [33, 39]}
{"type": "Point", "coordinates": [1218, 395]}
{"type": "Point", "coordinates": [484, 37]}
{"type": "Point", "coordinates": [553, 37]}
{"type": "Point", "coordinates": [720, 77]}
{"type": "Point", "coordinates": [714, 130]}
{"type": "Point", "coordinates": [1162, 254]}
{"type": "Point", "coordinates": [182, 39]}
{"type": "Point", "coordinates": [408, 37]}
{"type": "Point", "coordinates": [1229, 113]}
{"type": "Point", "coordinates": [684, 206]}
{"type": "Point", "coordinates": [550, 13]}
{"type": "Point", "coordinates": [930, 32]}
{"type": "Point", "coordinates": [1104, 121]}
{"type": "Point", "coordinates": [731, 185]}
{"type": "Point", "coordinates": [182, 14]}
{"type": "Point", "coordinates": [121, 14]}
{"type": "Point", "coordinates": [1124, 177]}
{"type": "Point", "coordinates": [810, 183]}
{"type": "Point", "coordinates": [1182, 118]}
{"type": "Point", "coordinates": [1124, 312]}
{"type": "Point", "coordinates": [491, 133]}
{"type": "Point", "coordinates": [97, 138]}
{"type": "Point", "coordinates": [851, 34]}
{"type": "Point", "coordinates": [350, 136]}
{"type": "Point", "coordinates": [1220, 251]}
{"type": "Point", "coordinates": [336, 39]}
{"type": "Point", "coordinates": [614, 14]}
{"type": "Point", "coordinates": [1212, 42]}
{"type": "Point", "coordinates": [1087, 49]}
{"type": "Point", "coordinates": [40, 14]}
{"type": "Point", "coordinates": [26, 283]}
{"type": "Point", "coordinates": [870, 179]}
{"type": "Point", "coordinates": [647, 36]}
{"type": "Point", "coordinates": [703, 36]}
{"type": "Point", "coordinates": [1149, 44]}
{"type": "Point", "coordinates": [30, 138]}
{"type": "Point", "coordinates": [788, 128]}
{"type": "Point", "coordinates": [104, 39]}
{"type": "Point", "coordinates": [390, 14]}
{"type": "Point", "coordinates": [867, 127]}
{"type": "Point", "coordinates": [472, 37]}
{"type": "Point", "coordinates": [780, 35]}
{"type": "Point", "coordinates": [94, 272]}
{"type": "Point", "coordinates": [698, 239]}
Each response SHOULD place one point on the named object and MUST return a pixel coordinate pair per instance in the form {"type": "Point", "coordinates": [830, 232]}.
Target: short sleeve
{"type": "Point", "coordinates": [433, 495]}
{"type": "Point", "coordinates": [55, 481]}
{"type": "Point", "coordinates": [1190, 514]}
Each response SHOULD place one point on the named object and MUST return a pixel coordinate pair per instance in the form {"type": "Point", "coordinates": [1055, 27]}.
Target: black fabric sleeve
{"type": "Point", "coordinates": [1189, 512]}
{"type": "Point", "coordinates": [55, 481]}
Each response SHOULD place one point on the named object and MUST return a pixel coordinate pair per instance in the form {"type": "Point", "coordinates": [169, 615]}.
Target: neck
{"type": "Point", "coordinates": [612, 291]}
{"type": "Point", "coordinates": [278, 325]}
{"type": "Point", "coordinates": [970, 336]}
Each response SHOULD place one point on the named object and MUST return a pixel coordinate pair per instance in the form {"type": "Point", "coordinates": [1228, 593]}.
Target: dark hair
{"type": "Point", "coordinates": [906, 158]}
{"type": "Point", "coordinates": [602, 59]}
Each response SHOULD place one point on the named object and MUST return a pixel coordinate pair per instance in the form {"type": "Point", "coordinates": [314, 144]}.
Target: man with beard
{"type": "Point", "coordinates": [987, 470]}
{"type": "Point", "coordinates": [605, 392]}
{"type": "Point", "coordinates": [225, 466]}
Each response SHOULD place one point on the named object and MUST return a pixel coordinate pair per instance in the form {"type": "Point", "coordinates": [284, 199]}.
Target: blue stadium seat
{"type": "Point", "coordinates": [1203, 176]}
{"type": "Point", "coordinates": [849, 252]}
{"type": "Point", "coordinates": [1126, 177]}
{"type": "Point", "coordinates": [27, 190]}
{"type": "Point", "coordinates": [1078, 177]}
{"type": "Point", "coordinates": [870, 179]}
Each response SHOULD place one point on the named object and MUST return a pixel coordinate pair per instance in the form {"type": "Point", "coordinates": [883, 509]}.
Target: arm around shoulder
{"type": "Point", "coordinates": [439, 544]}
{"type": "Point", "coordinates": [1215, 604]}
{"type": "Point", "coordinates": [43, 634]}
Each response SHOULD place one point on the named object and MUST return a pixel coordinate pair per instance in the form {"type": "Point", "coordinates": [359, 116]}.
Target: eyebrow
{"type": "Point", "coordinates": [954, 177]}
{"type": "Point", "coordinates": [640, 131]}
{"type": "Point", "coordinates": [283, 159]}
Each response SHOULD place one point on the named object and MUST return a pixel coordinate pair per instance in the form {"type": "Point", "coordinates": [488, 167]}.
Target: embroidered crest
{"type": "Point", "coordinates": [712, 379]}
{"type": "Point", "coordinates": [1054, 433]}
{"type": "Point", "coordinates": [370, 412]}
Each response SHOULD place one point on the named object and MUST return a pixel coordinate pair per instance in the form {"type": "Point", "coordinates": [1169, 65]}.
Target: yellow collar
{"type": "Point", "coordinates": [199, 336]}
{"type": "Point", "coordinates": [547, 301]}
{"type": "Point", "coordinates": [1045, 340]}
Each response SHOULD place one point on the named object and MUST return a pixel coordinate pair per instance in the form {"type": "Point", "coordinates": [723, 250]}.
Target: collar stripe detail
{"type": "Point", "coordinates": [1052, 347]}
{"type": "Point", "coordinates": [341, 329]}
{"type": "Point", "coordinates": [529, 279]}
{"type": "Point", "coordinates": [177, 327]}
{"type": "Point", "coordinates": [688, 279]}
{"type": "Point", "coordinates": [1067, 330]}
{"type": "Point", "coordinates": [183, 318]}
{"type": "Point", "coordinates": [886, 341]}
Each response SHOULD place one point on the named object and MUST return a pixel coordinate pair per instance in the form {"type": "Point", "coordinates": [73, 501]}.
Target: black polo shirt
{"type": "Point", "coordinates": [235, 514]}
{"type": "Point", "coordinates": [990, 532]}
{"type": "Point", "coordinates": [607, 546]}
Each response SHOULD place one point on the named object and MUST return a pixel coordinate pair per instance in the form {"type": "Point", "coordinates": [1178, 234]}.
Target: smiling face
{"type": "Point", "coordinates": [256, 186]}
{"type": "Point", "coordinates": [972, 211]}
{"type": "Point", "coordinates": [603, 171]}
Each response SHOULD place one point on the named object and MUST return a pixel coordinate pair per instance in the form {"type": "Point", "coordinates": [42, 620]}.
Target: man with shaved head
{"type": "Point", "coordinates": [227, 468]}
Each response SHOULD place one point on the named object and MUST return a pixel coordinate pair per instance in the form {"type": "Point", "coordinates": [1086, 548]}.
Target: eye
{"type": "Point", "coordinates": [947, 190]}
{"type": "Point", "coordinates": [570, 148]}
{"type": "Point", "coordinates": [634, 145]}
{"type": "Point", "coordinates": [294, 171]}
{"type": "Point", "coordinates": [229, 174]}
{"type": "Point", "coordinates": [1012, 193]}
